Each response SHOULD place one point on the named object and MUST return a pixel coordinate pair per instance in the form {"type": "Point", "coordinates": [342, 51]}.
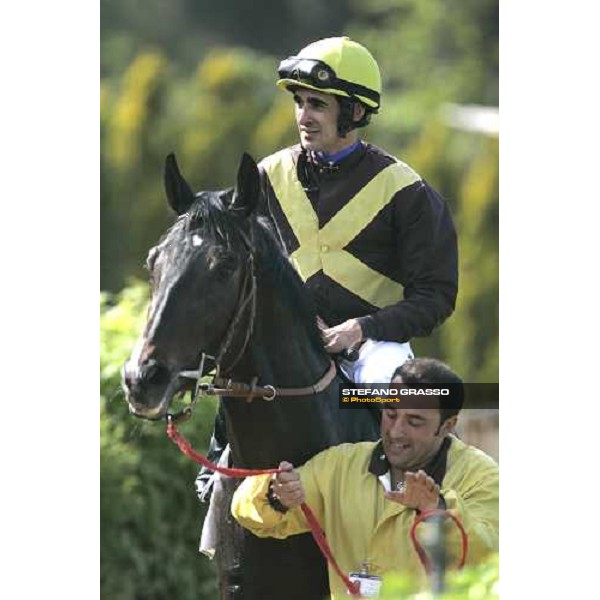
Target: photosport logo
{"type": "Point", "coordinates": [423, 395]}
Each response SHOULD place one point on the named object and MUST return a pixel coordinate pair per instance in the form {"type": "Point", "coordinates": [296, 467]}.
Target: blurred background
{"type": "Point", "coordinates": [197, 78]}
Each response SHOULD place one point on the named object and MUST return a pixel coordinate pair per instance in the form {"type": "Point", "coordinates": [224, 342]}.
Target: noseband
{"type": "Point", "coordinates": [221, 386]}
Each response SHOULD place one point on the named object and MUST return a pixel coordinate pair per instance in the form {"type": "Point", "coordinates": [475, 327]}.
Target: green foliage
{"type": "Point", "coordinates": [209, 118]}
{"type": "Point", "coordinates": [479, 582]}
{"type": "Point", "coordinates": [464, 168]}
{"type": "Point", "coordinates": [184, 29]}
{"type": "Point", "coordinates": [150, 517]}
{"type": "Point", "coordinates": [432, 51]}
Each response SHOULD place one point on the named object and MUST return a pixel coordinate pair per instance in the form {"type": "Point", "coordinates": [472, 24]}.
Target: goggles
{"type": "Point", "coordinates": [320, 75]}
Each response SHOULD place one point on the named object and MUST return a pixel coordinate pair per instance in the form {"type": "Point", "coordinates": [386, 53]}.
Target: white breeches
{"type": "Point", "coordinates": [377, 361]}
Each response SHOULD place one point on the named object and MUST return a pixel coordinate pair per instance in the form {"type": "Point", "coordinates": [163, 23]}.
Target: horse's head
{"type": "Point", "coordinates": [199, 270]}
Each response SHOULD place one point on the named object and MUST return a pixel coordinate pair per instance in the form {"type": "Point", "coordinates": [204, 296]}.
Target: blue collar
{"type": "Point", "coordinates": [335, 158]}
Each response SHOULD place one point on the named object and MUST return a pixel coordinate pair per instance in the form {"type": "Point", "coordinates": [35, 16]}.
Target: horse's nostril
{"type": "Point", "coordinates": [154, 373]}
{"type": "Point", "coordinates": [147, 371]}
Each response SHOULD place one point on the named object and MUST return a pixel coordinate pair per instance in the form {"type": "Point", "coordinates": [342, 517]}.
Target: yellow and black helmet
{"type": "Point", "coordinates": [336, 66]}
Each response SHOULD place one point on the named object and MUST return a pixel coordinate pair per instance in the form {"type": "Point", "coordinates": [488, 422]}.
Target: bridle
{"type": "Point", "coordinates": [222, 386]}
{"type": "Point", "coordinates": [246, 298]}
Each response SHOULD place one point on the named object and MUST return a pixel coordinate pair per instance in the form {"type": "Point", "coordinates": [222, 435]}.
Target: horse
{"type": "Point", "coordinates": [223, 287]}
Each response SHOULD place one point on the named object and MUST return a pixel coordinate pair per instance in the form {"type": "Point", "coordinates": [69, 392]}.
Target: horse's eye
{"type": "Point", "coordinates": [221, 261]}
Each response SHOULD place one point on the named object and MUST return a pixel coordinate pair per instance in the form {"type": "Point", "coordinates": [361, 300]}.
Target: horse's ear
{"type": "Point", "coordinates": [247, 189]}
{"type": "Point", "coordinates": [179, 193]}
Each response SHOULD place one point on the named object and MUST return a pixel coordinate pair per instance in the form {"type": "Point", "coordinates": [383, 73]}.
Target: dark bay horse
{"type": "Point", "coordinates": [222, 286]}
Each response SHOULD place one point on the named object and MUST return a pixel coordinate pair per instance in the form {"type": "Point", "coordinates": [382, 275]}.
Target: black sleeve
{"type": "Point", "coordinates": [427, 255]}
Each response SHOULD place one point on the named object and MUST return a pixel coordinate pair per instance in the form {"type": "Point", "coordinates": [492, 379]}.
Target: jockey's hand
{"type": "Point", "coordinates": [287, 486]}
{"type": "Point", "coordinates": [419, 491]}
{"type": "Point", "coordinates": [342, 337]}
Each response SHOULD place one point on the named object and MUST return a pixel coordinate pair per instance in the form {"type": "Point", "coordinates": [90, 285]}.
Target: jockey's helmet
{"type": "Point", "coordinates": [336, 66]}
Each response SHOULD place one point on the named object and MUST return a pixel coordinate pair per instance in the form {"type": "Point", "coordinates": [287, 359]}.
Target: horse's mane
{"type": "Point", "coordinates": [211, 218]}
{"type": "Point", "coordinates": [275, 262]}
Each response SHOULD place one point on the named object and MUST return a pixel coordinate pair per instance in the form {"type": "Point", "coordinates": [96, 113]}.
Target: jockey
{"type": "Point", "coordinates": [374, 243]}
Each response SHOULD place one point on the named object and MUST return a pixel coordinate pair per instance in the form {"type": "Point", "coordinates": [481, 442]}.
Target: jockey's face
{"type": "Point", "coordinates": [316, 117]}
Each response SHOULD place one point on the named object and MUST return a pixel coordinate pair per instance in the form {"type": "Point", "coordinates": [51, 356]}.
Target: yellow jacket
{"type": "Point", "coordinates": [361, 525]}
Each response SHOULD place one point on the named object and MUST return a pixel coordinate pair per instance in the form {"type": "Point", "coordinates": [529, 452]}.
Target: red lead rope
{"type": "Point", "coordinates": [316, 530]}
{"type": "Point", "coordinates": [319, 536]}
{"type": "Point", "coordinates": [419, 549]}
{"type": "Point", "coordinates": [185, 447]}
